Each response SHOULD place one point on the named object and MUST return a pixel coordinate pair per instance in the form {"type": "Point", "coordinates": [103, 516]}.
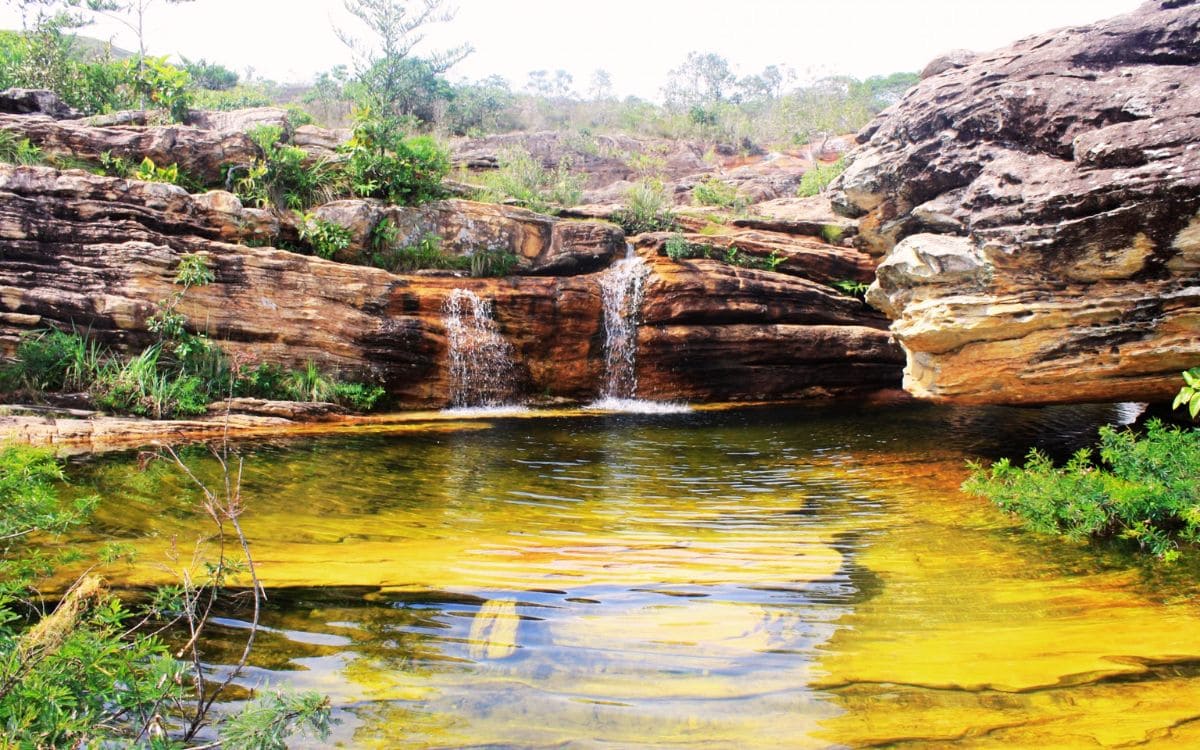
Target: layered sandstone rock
{"type": "Point", "coordinates": [541, 244]}
{"type": "Point", "coordinates": [203, 155]}
{"type": "Point", "coordinates": [1039, 212]}
{"type": "Point", "coordinates": [99, 253]}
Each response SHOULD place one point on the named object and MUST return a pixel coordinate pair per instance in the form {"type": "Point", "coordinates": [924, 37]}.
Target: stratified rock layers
{"type": "Point", "coordinates": [99, 252]}
{"type": "Point", "coordinates": [1039, 209]}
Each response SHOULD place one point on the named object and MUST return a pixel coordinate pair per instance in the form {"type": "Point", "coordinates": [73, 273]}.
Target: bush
{"type": "Point", "coordinates": [326, 238]}
{"type": "Point", "coordinates": [54, 360]}
{"type": "Point", "coordinates": [818, 178]}
{"type": "Point", "coordinates": [18, 151]}
{"type": "Point", "coordinates": [1189, 394]}
{"type": "Point", "coordinates": [523, 179]}
{"type": "Point", "coordinates": [713, 192]}
{"type": "Point", "coordinates": [647, 208]}
{"type": "Point", "coordinates": [383, 163]}
{"type": "Point", "coordinates": [284, 176]}
{"type": "Point", "coordinates": [93, 672]}
{"type": "Point", "coordinates": [1146, 490]}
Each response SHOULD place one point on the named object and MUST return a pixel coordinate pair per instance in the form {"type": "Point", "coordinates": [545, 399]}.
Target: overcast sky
{"type": "Point", "coordinates": [636, 41]}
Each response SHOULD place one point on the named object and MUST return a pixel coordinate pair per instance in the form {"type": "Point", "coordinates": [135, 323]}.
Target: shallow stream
{"type": "Point", "coordinates": [730, 579]}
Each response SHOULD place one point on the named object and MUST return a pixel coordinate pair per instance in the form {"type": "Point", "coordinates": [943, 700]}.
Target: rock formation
{"type": "Point", "coordinates": [99, 252]}
{"type": "Point", "coordinates": [1038, 208]}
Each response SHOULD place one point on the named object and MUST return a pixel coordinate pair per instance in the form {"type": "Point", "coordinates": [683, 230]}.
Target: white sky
{"type": "Point", "coordinates": [636, 41]}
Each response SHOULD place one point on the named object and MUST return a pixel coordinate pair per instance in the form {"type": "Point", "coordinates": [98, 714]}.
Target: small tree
{"type": "Point", "coordinates": [389, 71]}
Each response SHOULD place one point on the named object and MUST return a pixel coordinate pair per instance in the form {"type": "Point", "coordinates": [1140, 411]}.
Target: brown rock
{"type": "Point", "coordinates": [99, 253]}
{"type": "Point", "coordinates": [202, 154]}
{"type": "Point", "coordinates": [36, 102]}
{"type": "Point", "coordinates": [714, 332]}
{"type": "Point", "coordinates": [1039, 208]}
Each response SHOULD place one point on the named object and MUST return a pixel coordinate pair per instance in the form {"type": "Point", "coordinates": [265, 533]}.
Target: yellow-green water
{"type": "Point", "coordinates": [741, 579]}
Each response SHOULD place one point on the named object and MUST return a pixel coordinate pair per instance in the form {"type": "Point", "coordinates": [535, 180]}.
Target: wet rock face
{"type": "Point", "coordinates": [98, 253]}
{"type": "Point", "coordinates": [1038, 210]}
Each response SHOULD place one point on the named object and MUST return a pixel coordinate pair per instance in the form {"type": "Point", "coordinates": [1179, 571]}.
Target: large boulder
{"type": "Point", "coordinates": [1038, 208]}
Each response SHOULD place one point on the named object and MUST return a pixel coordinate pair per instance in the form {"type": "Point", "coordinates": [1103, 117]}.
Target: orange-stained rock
{"type": "Point", "coordinates": [99, 253]}
{"type": "Point", "coordinates": [715, 332]}
{"type": "Point", "coordinates": [1039, 207]}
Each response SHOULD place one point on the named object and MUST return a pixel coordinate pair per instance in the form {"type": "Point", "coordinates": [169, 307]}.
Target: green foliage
{"type": "Point", "coordinates": [267, 722]}
{"type": "Point", "coordinates": [1146, 490]}
{"type": "Point", "coordinates": [54, 360]}
{"type": "Point", "coordinates": [678, 248]}
{"type": "Point", "coordinates": [284, 177]}
{"type": "Point", "coordinates": [714, 192]}
{"type": "Point", "coordinates": [1189, 393]}
{"type": "Point", "coordinates": [818, 178]}
{"type": "Point", "coordinates": [394, 82]}
{"type": "Point", "coordinates": [522, 179]}
{"type": "Point", "coordinates": [357, 396]}
{"type": "Point", "coordinates": [19, 151]}
{"type": "Point", "coordinates": [492, 263]}
{"type": "Point", "coordinates": [237, 97]}
{"type": "Point", "coordinates": [92, 672]}
{"type": "Point", "coordinates": [139, 386]}
{"type": "Point", "coordinates": [326, 238]}
{"type": "Point", "coordinates": [210, 76]}
{"type": "Point", "coordinates": [851, 288]}
{"type": "Point", "coordinates": [148, 171]}
{"type": "Point", "coordinates": [647, 208]}
{"type": "Point", "coordinates": [383, 163]}
{"type": "Point", "coordinates": [155, 80]}
{"type": "Point", "coordinates": [831, 233]}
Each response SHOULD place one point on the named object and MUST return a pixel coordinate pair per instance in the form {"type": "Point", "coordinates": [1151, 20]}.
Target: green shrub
{"type": "Point", "coordinates": [140, 387]}
{"type": "Point", "coordinates": [326, 238]}
{"type": "Point", "coordinates": [523, 179]}
{"type": "Point", "coordinates": [1146, 490]}
{"type": "Point", "coordinates": [92, 671]}
{"type": "Point", "coordinates": [818, 178]}
{"type": "Point", "coordinates": [492, 263]}
{"type": "Point", "coordinates": [1189, 394]}
{"type": "Point", "coordinates": [383, 163]}
{"type": "Point", "coordinates": [714, 192]}
{"type": "Point", "coordinates": [284, 176]}
{"type": "Point", "coordinates": [54, 360]}
{"type": "Point", "coordinates": [647, 208]}
{"type": "Point", "coordinates": [156, 81]}
{"type": "Point", "coordinates": [851, 288]}
{"type": "Point", "coordinates": [357, 396]}
{"type": "Point", "coordinates": [18, 151]}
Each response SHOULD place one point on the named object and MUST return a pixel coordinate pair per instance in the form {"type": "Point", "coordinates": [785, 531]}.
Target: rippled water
{"type": "Point", "coordinates": [754, 578]}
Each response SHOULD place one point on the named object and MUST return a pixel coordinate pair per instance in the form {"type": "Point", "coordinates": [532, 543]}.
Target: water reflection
{"type": "Point", "coordinates": [756, 578]}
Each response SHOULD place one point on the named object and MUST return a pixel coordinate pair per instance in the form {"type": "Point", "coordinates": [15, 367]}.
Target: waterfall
{"type": "Point", "coordinates": [482, 373]}
{"type": "Point", "coordinates": [621, 289]}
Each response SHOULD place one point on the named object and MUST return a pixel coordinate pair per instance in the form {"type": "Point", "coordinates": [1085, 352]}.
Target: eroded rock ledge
{"type": "Point", "coordinates": [99, 252]}
{"type": "Point", "coordinates": [1039, 212]}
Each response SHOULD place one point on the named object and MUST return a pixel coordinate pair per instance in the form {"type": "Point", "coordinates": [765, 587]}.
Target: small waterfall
{"type": "Point", "coordinates": [622, 289]}
{"type": "Point", "coordinates": [482, 373]}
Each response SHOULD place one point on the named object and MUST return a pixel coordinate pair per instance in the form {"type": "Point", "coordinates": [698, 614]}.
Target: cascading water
{"type": "Point", "coordinates": [622, 288]}
{"type": "Point", "coordinates": [482, 373]}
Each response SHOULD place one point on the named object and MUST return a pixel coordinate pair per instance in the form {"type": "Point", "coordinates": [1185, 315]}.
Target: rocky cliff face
{"type": "Point", "coordinates": [99, 252]}
{"type": "Point", "coordinates": [1038, 210]}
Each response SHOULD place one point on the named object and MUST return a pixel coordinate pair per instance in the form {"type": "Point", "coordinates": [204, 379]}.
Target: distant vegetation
{"type": "Point", "coordinates": [703, 100]}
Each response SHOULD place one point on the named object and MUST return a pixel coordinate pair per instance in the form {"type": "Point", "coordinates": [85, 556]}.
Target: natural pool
{"type": "Point", "coordinates": [768, 577]}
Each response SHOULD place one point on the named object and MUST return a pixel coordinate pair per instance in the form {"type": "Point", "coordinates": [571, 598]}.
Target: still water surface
{"type": "Point", "coordinates": [786, 578]}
